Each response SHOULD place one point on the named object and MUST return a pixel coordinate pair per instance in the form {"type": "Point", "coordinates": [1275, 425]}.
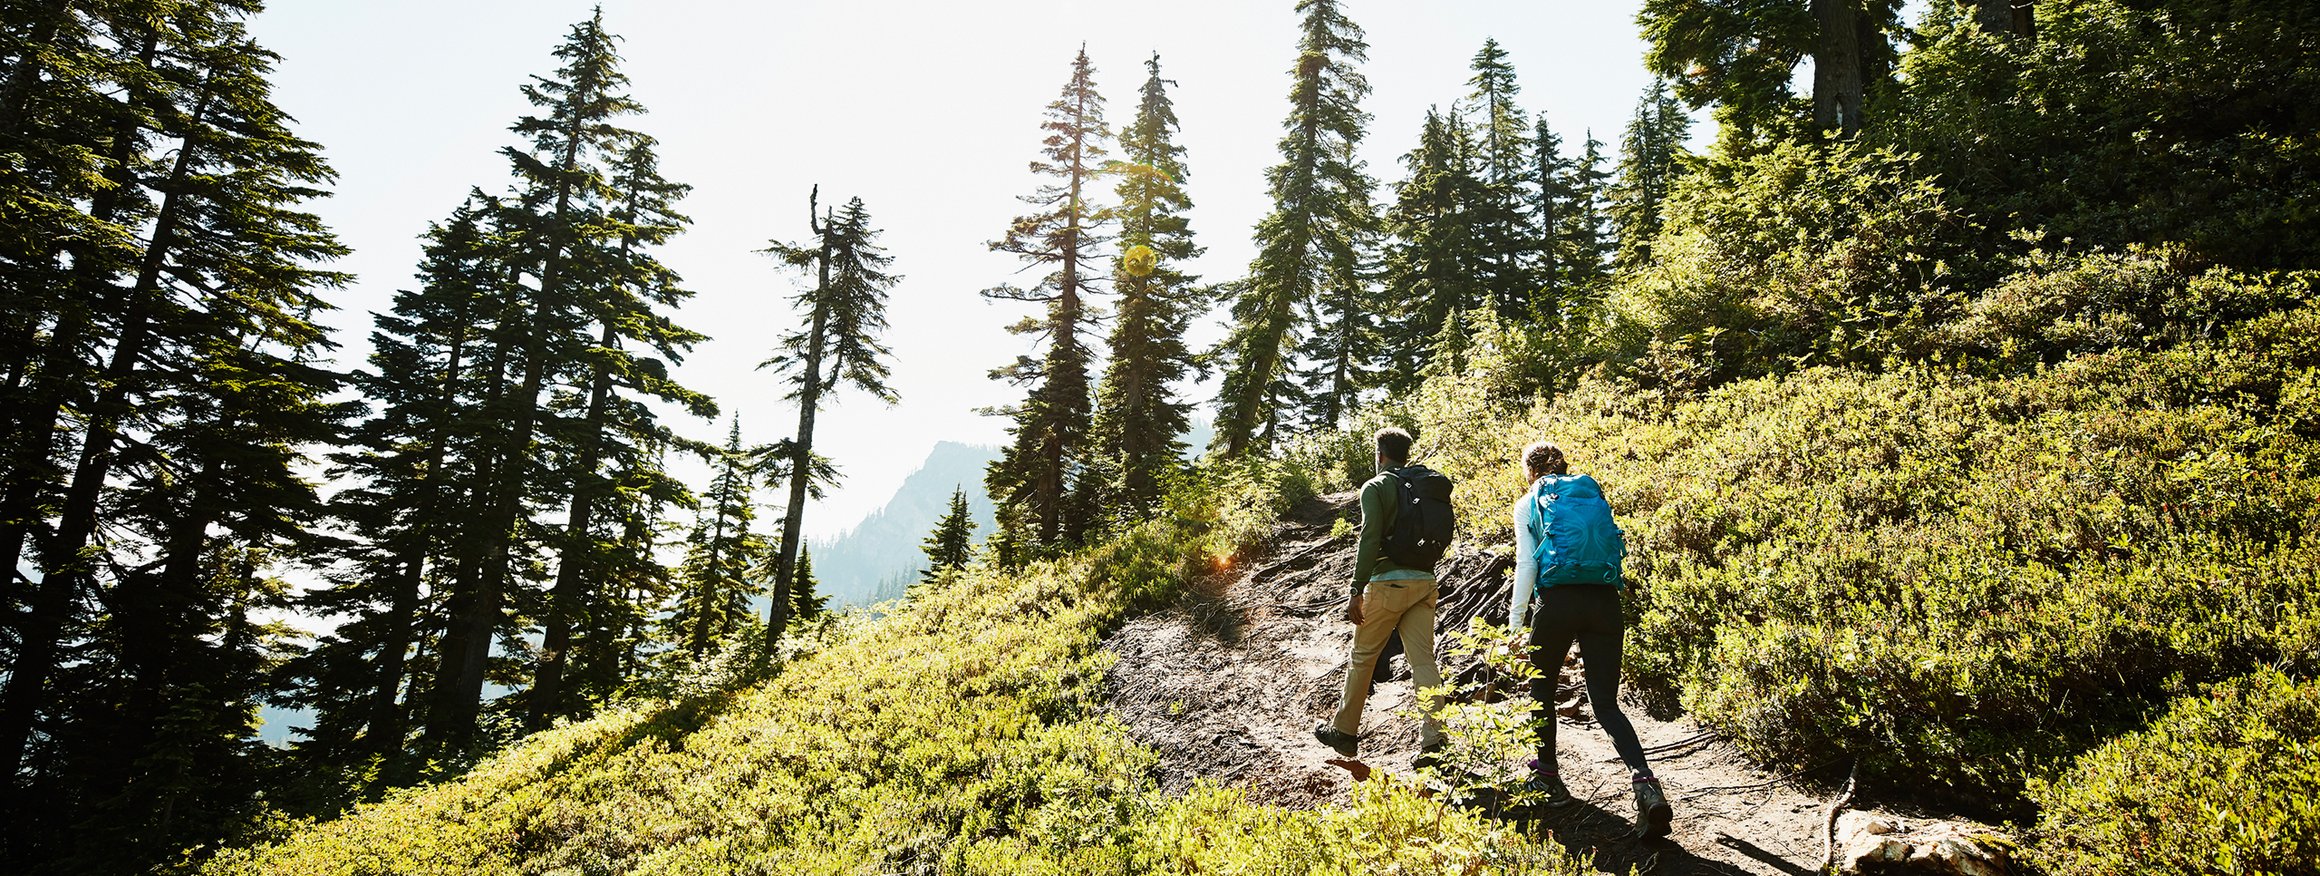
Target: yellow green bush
{"type": "Point", "coordinates": [2225, 782]}
{"type": "Point", "coordinates": [1961, 581]}
{"type": "Point", "coordinates": [966, 732]}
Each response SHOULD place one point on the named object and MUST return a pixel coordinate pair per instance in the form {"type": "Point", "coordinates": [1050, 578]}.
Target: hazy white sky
{"type": "Point", "coordinates": [928, 111]}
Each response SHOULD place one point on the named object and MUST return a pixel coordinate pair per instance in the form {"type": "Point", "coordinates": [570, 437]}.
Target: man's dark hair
{"type": "Point", "coordinates": [1394, 444]}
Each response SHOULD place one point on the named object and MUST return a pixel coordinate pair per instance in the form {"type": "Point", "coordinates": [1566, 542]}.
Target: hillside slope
{"type": "Point", "coordinates": [2009, 595]}
{"type": "Point", "coordinates": [1226, 686]}
{"type": "Point", "coordinates": [966, 733]}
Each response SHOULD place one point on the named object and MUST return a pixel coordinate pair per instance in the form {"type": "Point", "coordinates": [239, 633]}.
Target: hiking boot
{"type": "Point", "coordinates": [1429, 756]}
{"type": "Point", "coordinates": [1345, 743]}
{"type": "Point", "coordinates": [1550, 785]}
{"type": "Point", "coordinates": [1652, 812]}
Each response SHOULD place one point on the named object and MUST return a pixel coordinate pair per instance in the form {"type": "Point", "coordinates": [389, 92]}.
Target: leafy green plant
{"type": "Point", "coordinates": [966, 731]}
{"type": "Point", "coordinates": [2227, 781]}
{"type": "Point", "coordinates": [1961, 581]}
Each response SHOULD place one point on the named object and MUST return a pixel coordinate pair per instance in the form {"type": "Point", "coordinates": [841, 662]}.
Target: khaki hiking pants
{"type": "Point", "coordinates": [1388, 607]}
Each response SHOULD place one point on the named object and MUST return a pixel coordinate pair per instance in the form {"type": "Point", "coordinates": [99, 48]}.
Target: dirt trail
{"type": "Point", "coordinates": [1228, 684]}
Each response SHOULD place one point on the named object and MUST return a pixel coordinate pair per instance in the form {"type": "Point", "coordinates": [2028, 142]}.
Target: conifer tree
{"type": "Point", "coordinates": [1138, 417]}
{"type": "Point", "coordinates": [1503, 235]}
{"type": "Point", "coordinates": [713, 580]}
{"type": "Point", "coordinates": [1038, 475]}
{"type": "Point", "coordinates": [1431, 273]}
{"type": "Point", "coordinates": [806, 604]}
{"type": "Point", "coordinates": [405, 467]}
{"type": "Point", "coordinates": [155, 421]}
{"type": "Point", "coordinates": [611, 443]}
{"type": "Point", "coordinates": [1651, 157]}
{"type": "Point", "coordinates": [1552, 208]}
{"type": "Point", "coordinates": [1587, 246]}
{"type": "Point", "coordinates": [558, 413]}
{"type": "Point", "coordinates": [839, 345]}
{"type": "Point", "coordinates": [557, 224]}
{"type": "Point", "coordinates": [1311, 249]}
{"type": "Point", "coordinates": [948, 546]}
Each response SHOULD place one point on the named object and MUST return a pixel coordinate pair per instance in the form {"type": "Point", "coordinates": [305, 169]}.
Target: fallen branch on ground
{"type": "Point", "coordinates": [1829, 830]}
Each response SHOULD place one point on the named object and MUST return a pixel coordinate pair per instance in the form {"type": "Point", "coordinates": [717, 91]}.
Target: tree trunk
{"type": "Point", "coordinates": [572, 570]}
{"type": "Point", "coordinates": [801, 461]}
{"type": "Point", "coordinates": [1837, 86]}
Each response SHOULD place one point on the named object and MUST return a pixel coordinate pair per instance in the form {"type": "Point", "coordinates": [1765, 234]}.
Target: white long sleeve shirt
{"type": "Point", "coordinates": [1526, 559]}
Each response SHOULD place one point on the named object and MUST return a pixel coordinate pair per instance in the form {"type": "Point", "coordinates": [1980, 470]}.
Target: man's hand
{"type": "Point", "coordinates": [1353, 609]}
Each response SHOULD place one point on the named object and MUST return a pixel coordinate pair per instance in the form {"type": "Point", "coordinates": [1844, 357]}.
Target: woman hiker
{"type": "Point", "coordinates": [1568, 550]}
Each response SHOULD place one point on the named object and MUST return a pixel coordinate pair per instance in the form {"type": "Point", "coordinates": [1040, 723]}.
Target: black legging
{"type": "Point", "coordinates": [1590, 616]}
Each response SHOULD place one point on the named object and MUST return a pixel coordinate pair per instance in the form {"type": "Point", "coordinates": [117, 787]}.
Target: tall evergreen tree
{"type": "Point", "coordinates": [557, 410]}
{"type": "Point", "coordinates": [953, 539]}
{"type": "Point", "coordinates": [611, 443]}
{"type": "Point", "coordinates": [404, 467]}
{"type": "Point", "coordinates": [1502, 165]}
{"type": "Point", "coordinates": [162, 379]}
{"type": "Point", "coordinates": [1138, 417]}
{"type": "Point", "coordinates": [1651, 156]}
{"type": "Point", "coordinates": [1431, 272]}
{"type": "Point", "coordinates": [1037, 476]}
{"type": "Point", "coordinates": [1587, 244]}
{"type": "Point", "coordinates": [713, 580]}
{"type": "Point", "coordinates": [845, 311]}
{"type": "Point", "coordinates": [557, 223]}
{"type": "Point", "coordinates": [1311, 249]}
{"type": "Point", "coordinates": [1554, 203]}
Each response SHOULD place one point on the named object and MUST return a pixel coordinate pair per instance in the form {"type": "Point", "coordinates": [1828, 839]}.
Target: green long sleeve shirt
{"type": "Point", "coordinates": [1370, 563]}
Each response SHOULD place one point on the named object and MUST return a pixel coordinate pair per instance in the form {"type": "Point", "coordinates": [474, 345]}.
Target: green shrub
{"type": "Point", "coordinates": [1960, 581]}
{"type": "Point", "coordinates": [2189, 122]}
{"type": "Point", "coordinates": [1801, 254]}
{"type": "Point", "coordinates": [965, 732]}
{"type": "Point", "coordinates": [2056, 305]}
{"type": "Point", "coordinates": [2226, 782]}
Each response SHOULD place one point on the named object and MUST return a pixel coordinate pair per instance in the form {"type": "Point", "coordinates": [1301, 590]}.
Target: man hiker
{"type": "Point", "coordinates": [1405, 527]}
{"type": "Point", "coordinates": [1568, 550]}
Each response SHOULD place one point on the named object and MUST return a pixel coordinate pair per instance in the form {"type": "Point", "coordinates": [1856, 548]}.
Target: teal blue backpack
{"type": "Point", "coordinates": [1578, 542]}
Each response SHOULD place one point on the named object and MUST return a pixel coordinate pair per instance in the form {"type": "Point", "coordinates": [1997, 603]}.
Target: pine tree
{"type": "Point", "coordinates": [1311, 248]}
{"type": "Point", "coordinates": [559, 226]}
{"type": "Point", "coordinates": [1651, 157]}
{"type": "Point", "coordinates": [404, 467]}
{"type": "Point", "coordinates": [1551, 213]}
{"type": "Point", "coordinates": [1502, 231]}
{"type": "Point", "coordinates": [611, 443]}
{"type": "Point", "coordinates": [845, 312]}
{"type": "Point", "coordinates": [1038, 475]}
{"type": "Point", "coordinates": [156, 421]}
{"type": "Point", "coordinates": [1741, 57]}
{"type": "Point", "coordinates": [713, 580]}
{"type": "Point", "coordinates": [1431, 273]}
{"type": "Point", "coordinates": [806, 604]}
{"type": "Point", "coordinates": [1138, 418]}
{"type": "Point", "coordinates": [1587, 246]}
{"type": "Point", "coordinates": [948, 546]}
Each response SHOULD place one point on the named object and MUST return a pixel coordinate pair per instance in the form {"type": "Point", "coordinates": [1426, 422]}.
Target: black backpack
{"type": "Point", "coordinates": [1423, 521]}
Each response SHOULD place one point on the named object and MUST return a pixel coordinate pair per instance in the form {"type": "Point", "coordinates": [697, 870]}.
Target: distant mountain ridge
{"type": "Point", "coordinates": [880, 556]}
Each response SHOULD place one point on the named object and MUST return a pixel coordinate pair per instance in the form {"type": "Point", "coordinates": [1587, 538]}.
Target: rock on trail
{"type": "Point", "coordinates": [1228, 683]}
